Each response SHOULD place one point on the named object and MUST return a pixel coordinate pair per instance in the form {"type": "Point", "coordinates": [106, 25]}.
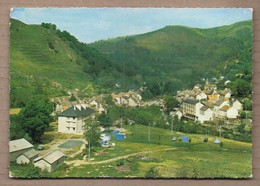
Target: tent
{"type": "Point", "coordinates": [120, 136]}
{"type": "Point", "coordinates": [185, 139]}
{"type": "Point", "coordinates": [116, 131]}
{"type": "Point", "coordinates": [105, 143]}
{"type": "Point", "coordinates": [105, 137]}
{"type": "Point", "coordinates": [216, 140]}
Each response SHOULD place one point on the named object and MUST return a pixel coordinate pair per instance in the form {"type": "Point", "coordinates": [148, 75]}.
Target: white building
{"type": "Point", "coordinates": [219, 104]}
{"type": "Point", "coordinates": [205, 114]}
{"type": "Point", "coordinates": [237, 105]}
{"type": "Point", "coordinates": [73, 119]}
{"type": "Point", "coordinates": [201, 96]}
{"type": "Point", "coordinates": [232, 113]}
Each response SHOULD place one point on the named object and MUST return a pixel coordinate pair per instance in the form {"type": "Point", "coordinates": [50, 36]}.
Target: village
{"type": "Point", "coordinates": [203, 105]}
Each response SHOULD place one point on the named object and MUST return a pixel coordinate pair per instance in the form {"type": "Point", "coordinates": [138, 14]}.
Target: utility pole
{"type": "Point", "coordinates": [149, 132]}
{"type": "Point", "coordinates": [88, 150]}
{"type": "Point", "coordinates": [172, 127]}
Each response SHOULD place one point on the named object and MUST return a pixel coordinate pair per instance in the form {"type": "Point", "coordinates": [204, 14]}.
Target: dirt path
{"type": "Point", "coordinates": [76, 163]}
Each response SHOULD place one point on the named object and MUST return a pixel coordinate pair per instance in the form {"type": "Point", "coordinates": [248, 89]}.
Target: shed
{"type": "Point", "coordinates": [185, 139]}
{"type": "Point", "coordinates": [27, 156]}
{"type": "Point", "coordinates": [50, 161]}
{"type": "Point", "coordinates": [18, 147]}
{"type": "Point", "coordinates": [120, 136]}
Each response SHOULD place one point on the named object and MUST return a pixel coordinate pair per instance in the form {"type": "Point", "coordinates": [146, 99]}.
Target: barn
{"type": "Point", "coordinates": [27, 156]}
{"type": "Point", "coordinates": [50, 161]}
{"type": "Point", "coordinates": [18, 147]}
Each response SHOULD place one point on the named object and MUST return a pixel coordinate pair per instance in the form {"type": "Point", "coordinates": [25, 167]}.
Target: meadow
{"type": "Point", "coordinates": [161, 157]}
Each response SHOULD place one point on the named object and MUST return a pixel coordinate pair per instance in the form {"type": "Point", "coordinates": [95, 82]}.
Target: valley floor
{"type": "Point", "coordinates": [161, 157]}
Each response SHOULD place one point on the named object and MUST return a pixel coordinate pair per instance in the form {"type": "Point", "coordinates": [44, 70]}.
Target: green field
{"type": "Point", "coordinates": [163, 158]}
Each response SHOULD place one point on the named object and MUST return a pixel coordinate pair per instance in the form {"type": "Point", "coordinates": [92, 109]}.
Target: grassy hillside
{"type": "Point", "coordinates": [44, 59]}
{"type": "Point", "coordinates": [181, 55]}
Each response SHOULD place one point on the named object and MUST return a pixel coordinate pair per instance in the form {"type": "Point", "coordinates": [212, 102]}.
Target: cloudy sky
{"type": "Point", "coordinates": [92, 24]}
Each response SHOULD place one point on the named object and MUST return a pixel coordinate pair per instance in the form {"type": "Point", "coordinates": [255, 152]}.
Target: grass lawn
{"type": "Point", "coordinates": [136, 157]}
{"type": "Point", "coordinates": [164, 158]}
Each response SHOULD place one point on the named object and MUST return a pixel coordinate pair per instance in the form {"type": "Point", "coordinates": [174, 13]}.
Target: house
{"type": "Point", "coordinates": [50, 161]}
{"type": "Point", "coordinates": [201, 96]}
{"type": "Point", "coordinates": [213, 97]}
{"type": "Point", "coordinates": [27, 157]}
{"type": "Point", "coordinates": [206, 114]}
{"type": "Point", "coordinates": [232, 113]}
{"type": "Point", "coordinates": [18, 147]}
{"type": "Point", "coordinates": [223, 111]}
{"type": "Point", "coordinates": [133, 102]}
{"type": "Point", "coordinates": [116, 98]}
{"type": "Point", "coordinates": [189, 108]}
{"type": "Point", "coordinates": [237, 105]}
{"type": "Point", "coordinates": [219, 104]}
{"type": "Point", "coordinates": [227, 96]}
{"type": "Point", "coordinates": [73, 119]}
{"type": "Point", "coordinates": [209, 86]}
{"type": "Point", "coordinates": [178, 113]}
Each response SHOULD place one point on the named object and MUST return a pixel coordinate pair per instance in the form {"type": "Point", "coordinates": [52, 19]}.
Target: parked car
{"type": "Point", "coordinates": [40, 147]}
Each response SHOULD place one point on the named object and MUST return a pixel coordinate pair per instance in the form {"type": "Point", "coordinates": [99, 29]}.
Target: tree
{"type": "Point", "coordinates": [35, 117]}
{"type": "Point", "coordinates": [91, 133]}
{"type": "Point", "coordinates": [241, 128]}
{"type": "Point", "coordinates": [104, 120]}
{"type": "Point", "coordinates": [73, 98]}
{"type": "Point", "coordinates": [241, 88]}
{"type": "Point", "coordinates": [170, 103]}
{"type": "Point", "coordinates": [16, 130]}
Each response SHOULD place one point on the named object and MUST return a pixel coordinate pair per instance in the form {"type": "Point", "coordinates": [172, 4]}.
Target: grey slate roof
{"type": "Point", "coordinates": [204, 108]}
{"type": "Point", "coordinates": [51, 157]}
{"type": "Point", "coordinates": [31, 153]}
{"type": "Point", "coordinates": [219, 102]}
{"type": "Point", "coordinates": [20, 144]}
{"type": "Point", "coordinates": [75, 112]}
{"type": "Point", "coordinates": [191, 101]}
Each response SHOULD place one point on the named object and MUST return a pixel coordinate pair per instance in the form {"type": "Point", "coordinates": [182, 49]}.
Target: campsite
{"type": "Point", "coordinates": [159, 157]}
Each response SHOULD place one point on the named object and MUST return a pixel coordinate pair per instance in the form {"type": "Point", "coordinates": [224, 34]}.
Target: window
{"type": "Point", "coordinates": [74, 128]}
{"type": "Point", "coordinates": [73, 117]}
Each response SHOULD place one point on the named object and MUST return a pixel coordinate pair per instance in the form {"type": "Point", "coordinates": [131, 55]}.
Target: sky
{"type": "Point", "coordinates": [92, 24]}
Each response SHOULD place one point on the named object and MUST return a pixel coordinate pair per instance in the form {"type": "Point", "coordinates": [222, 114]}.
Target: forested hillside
{"type": "Point", "coordinates": [177, 57]}
{"type": "Point", "coordinates": [45, 60]}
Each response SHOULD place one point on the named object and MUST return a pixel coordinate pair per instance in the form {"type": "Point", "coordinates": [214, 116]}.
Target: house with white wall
{"type": "Point", "coordinates": [205, 114]}
{"type": "Point", "coordinates": [232, 113]}
{"type": "Point", "coordinates": [72, 120]}
{"type": "Point", "coordinates": [237, 105]}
